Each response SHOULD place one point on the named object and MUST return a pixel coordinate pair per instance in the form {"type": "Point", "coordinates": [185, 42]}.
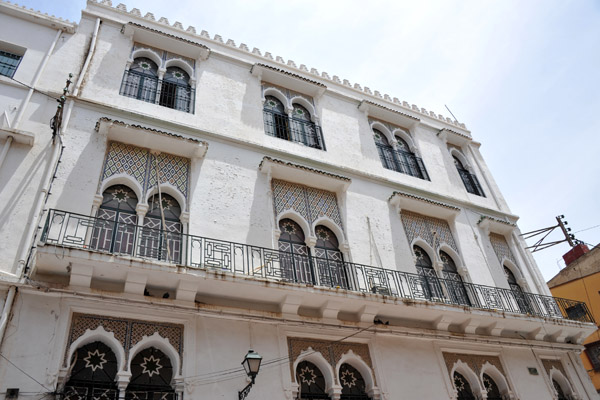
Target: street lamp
{"type": "Point", "coordinates": [251, 365]}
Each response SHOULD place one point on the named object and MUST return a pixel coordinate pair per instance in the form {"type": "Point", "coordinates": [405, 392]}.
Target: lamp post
{"type": "Point", "coordinates": [251, 365]}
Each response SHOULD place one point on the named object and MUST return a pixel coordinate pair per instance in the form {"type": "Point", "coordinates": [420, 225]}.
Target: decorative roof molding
{"type": "Point", "coordinates": [137, 31]}
{"type": "Point", "coordinates": [454, 137]}
{"type": "Point", "coordinates": [142, 136]}
{"type": "Point", "coordinates": [423, 205]}
{"type": "Point", "coordinates": [37, 16]}
{"type": "Point", "coordinates": [287, 79]}
{"type": "Point", "coordinates": [297, 173]}
{"type": "Point", "coordinates": [387, 114]}
{"type": "Point", "coordinates": [491, 224]}
{"type": "Point", "coordinates": [217, 39]}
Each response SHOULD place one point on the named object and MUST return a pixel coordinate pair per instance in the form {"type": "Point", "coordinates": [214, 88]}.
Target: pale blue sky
{"type": "Point", "coordinates": [523, 75]}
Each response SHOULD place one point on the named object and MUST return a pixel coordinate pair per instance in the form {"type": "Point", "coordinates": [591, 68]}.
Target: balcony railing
{"type": "Point", "coordinates": [88, 233]}
{"type": "Point", "coordinates": [94, 393]}
{"type": "Point", "coordinates": [471, 182]}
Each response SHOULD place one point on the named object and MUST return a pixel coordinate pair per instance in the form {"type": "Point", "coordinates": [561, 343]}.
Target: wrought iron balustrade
{"type": "Point", "coordinates": [94, 393]}
{"type": "Point", "coordinates": [153, 90]}
{"type": "Point", "coordinates": [471, 182]}
{"type": "Point", "coordinates": [88, 233]}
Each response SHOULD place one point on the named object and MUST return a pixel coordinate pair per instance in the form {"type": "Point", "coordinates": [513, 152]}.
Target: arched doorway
{"type": "Point", "coordinates": [116, 224]}
{"type": "Point", "coordinates": [162, 241]}
{"type": "Point", "coordinates": [430, 283]}
{"type": "Point", "coordinates": [151, 375]}
{"type": "Point", "coordinates": [493, 392]}
{"type": "Point", "coordinates": [463, 388]}
{"type": "Point", "coordinates": [93, 374]}
{"type": "Point", "coordinates": [329, 259]}
{"type": "Point", "coordinates": [311, 382]}
{"type": "Point", "coordinates": [453, 281]}
{"type": "Point", "coordinates": [353, 384]}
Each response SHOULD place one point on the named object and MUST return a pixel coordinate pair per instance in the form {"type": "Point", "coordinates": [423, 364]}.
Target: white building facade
{"type": "Point", "coordinates": [200, 199]}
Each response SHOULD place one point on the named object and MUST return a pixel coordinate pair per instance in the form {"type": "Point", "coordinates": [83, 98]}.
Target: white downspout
{"type": "Point", "coordinates": [10, 297]}
{"type": "Point", "coordinates": [5, 149]}
{"type": "Point", "coordinates": [36, 78]}
{"type": "Point", "coordinates": [48, 177]}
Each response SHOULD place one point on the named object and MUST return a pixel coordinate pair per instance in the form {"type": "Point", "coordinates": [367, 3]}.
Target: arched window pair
{"type": "Point", "coordinates": [464, 391]}
{"type": "Point", "coordinates": [400, 158]}
{"type": "Point", "coordinates": [297, 127]}
{"type": "Point", "coordinates": [326, 268]}
{"type": "Point", "coordinates": [117, 230]}
{"type": "Point", "coordinates": [94, 371]}
{"type": "Point", "coordinates": [450, 288]}
{"type": "Point", "coordinates": [173, 89]}
{"type": "Point", "coordinates": [469, 180]}
{"type": "Point", "coordinates": [312, 382]}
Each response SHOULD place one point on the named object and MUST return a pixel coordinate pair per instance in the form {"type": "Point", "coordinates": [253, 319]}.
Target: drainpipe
{"type": "Point", "coordinates": [48, 178]}
{"type": "Point", "coordinates": [36, 78]}
{"type": "Point", "coordinates": [5, 149]}
{"type": "Point", "coordinates": [10, 297]}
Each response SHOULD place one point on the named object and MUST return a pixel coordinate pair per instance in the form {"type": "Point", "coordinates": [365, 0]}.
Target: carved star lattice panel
{"type": "Point", "coordinates": [309, 202]}
{"type": "Point", "coordinates": [474, 361]}
{"type": "Point", "coordinates": [165, 55]}
{"type": "Point", "coordinates": [140, 164]}
{"type": "Point", "coordinates": [128, 332]}
{"type": "Point", "coordinates": [501, 248]}
{"type": "Point", "coordinates": [331, 351]}
{"type": "Point", "coordinates": [421, 226]}
{"type": "Point", "coordinates": [289, 94]}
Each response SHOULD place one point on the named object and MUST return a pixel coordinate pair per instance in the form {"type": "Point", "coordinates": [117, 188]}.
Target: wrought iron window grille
{"type": "Point", "coordinates": [293, 129]}
{"type": "Point", "coordinates": [72, 230]}
{"type": "Point", "coordinates": [471, 182]}
{"type": "Point", "coordinates": [402, 161]}
{"type": "Point", "coordinates": [150, 89]}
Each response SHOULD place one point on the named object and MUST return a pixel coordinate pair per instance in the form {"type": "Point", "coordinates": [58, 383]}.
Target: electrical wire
{"type": "Point", "coordinates": [233, 373]}
{"type": "Point", "coordinates": [34, 89]}
{"type": "Point", "coordinates": [587, 229]}
{"type": "Point", "coordinates": [31, 377]}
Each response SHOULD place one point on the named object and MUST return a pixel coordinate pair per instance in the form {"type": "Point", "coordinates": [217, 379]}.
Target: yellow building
{"type": "Point", "coordinates": [580, 280]}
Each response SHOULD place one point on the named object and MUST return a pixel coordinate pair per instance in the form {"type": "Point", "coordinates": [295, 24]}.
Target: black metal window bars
{"type": "Point", "coordinates": [9, 63]}
{"type": "Point", "coordinates": [153, 90]}
{"type": "Point", "coordinates": [293, 129]}
{"type": "Point", "coordinates": [471, 182]}
{"type": "Point", "coordinates": [78, 231]}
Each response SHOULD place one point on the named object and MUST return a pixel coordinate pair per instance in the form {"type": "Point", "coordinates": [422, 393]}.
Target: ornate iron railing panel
{"type": "Point", "coordinates": [79, 231]}
{"type": "Point", "coordinates": [153, 90]}
{"type": "Point", "coordinates": [293, 129]}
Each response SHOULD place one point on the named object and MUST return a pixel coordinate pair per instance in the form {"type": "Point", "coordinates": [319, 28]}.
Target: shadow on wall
{"type": "Point", "coordinates": [260, 231]}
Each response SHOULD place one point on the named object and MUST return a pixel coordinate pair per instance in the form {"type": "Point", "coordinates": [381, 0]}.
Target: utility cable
{"type": "Point", "coordinates": [31, 377]}
{"type": "Point", "coordinates": [34, 89]}
{"type": "Point", "coordinates": [231, 373]}
{"type": "Point", "coordinates": [587, 229]}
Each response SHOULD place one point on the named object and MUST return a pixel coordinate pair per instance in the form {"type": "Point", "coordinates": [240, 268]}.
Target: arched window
{"type": "Point", "coordinates": [303, 129]}
{"type": "Point", "coordinates": [385, 150]}
{"type": "Point", "coordinates": [115, 227]}
{"type": "Point", "coordinates": [151, 375]}
{"type": "Point", "coordinates": [469, 180]}
{"type": "Point", "coordinates": [311, 381]}
{"type": "Point", "coordinates": [176, 91]}
{"type": "Point", "coordinates": [158, 240]}
{"type": "Point", "coordinates": [430, 282]}
{"type": "Point", "coordinates": [294, 254]}
{"type": "Point", "coordinates": [408, 162]}
{"type": "Point", "coordinates": [275, 118]}
{"type": "Point", "coordinates": [453, 281]}
{"type": "Point", "coordinates": [560, 393]}
{"type": "Point", "coordinates": [353, 384]}
{"type": "Point", "coordinates": [141, 80]}
{"type": "Point", "coordinates": [297, 128]}
{"type": "Point", "coordinates": [93, 374]}
{"type": "Point", "coordinates": [463, 389]}
{"type": "Point", "coordinates": [400, 159]}
{"type": "Point", "coordinates": [329, 259]}
{"type": "Point", "coordinates": [520, 296]}
{"type": "Point", "coordinates": [493, 392]}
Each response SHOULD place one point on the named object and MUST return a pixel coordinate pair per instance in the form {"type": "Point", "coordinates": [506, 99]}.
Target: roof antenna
{"type": "Point", "coordinates": [456, 119]}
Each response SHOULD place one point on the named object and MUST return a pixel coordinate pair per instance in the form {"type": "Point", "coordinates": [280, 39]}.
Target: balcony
{"type": "Point", "coordinates": [94, 393]}
{"type": "Point", "coordinates": [69, 230]}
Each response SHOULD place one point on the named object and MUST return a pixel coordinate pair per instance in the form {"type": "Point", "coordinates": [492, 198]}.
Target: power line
{"type": "Point", "coordinates": [34, 89]}
{"type": "Point", "coordinates": [31, 377]}
{"type": "Point", "coordinates": [232, 373]}
{"type": "Point", "coordinates": [587, 229]}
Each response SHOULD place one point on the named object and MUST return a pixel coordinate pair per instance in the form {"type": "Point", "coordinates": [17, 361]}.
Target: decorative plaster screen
{"type": "Point", "coordinates": [165, 55]}
{"type": "Point", "coordinates": [501, 248]}
{"type": "Point", "coordinates": [289, 94]}
{"type": "Point", "coordinates": [309, 202]}
{"type": "Point", "coordinates": [140, 164]}
{"type": "Point", "coordinates": [127, 331]}
{"type": "Point", "coordinates": [548, 364]}
{"type": "Point", "coordinates": [389, 126]}
{"type": "Point", "coordinates": [331, 351]}
{"type": "Point", "coordinates": [421, 226]}
{"type": "Point", "coordinates": [474, 361]}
